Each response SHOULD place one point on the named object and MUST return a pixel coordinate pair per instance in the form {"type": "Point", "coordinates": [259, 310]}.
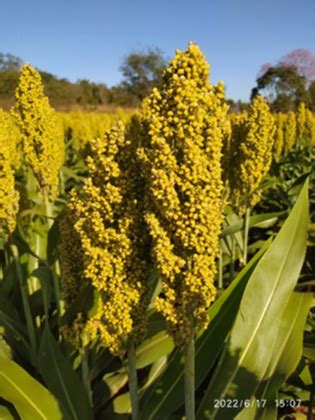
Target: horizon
{"type": "Point", "coordinates": [83, 42]}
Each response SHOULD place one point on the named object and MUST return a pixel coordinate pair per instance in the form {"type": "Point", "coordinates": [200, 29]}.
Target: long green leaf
{"type": "Point", "coordinates": [257, 220]}
{"type": "Point", "coordinates": [31, 400]}
{"type": "Point", "coordinates": [247, 354]}
{"type": "Point", "coordinates": [166, 394]}
{"type": "Point", "coordinates": [153, 349]}
{"type": "Point", "coordinates": [5, 413]}
{"type": "Point", "coordinates": [289, 345]}
{"type": "Point", "coordinates": [62, 380]}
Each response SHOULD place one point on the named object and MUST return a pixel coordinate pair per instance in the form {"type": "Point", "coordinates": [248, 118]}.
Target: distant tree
{"type": "Point", "coordinates": [304, 62]}
{"type": "Point", "coordinates": [142, 70]}
{"type": "Point", "coordinates": [9, 62]}
{"type": "Point", "coordinates": [311, 91]}
{"type": "Point", "coordinates": [284, 87]}
{"type": "Point", "coordinates": [301, 59]}
{"type": "Point", "coordinates": [238, 106]}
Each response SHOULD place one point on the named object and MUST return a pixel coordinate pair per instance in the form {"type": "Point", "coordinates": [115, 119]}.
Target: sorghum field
{"type": "Point", "coordinates": [159, 263]}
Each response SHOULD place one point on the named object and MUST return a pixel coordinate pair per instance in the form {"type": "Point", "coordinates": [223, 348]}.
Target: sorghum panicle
{"type": "Point", "coordinates": [290, 132]}
{"type": "Point", "coordinates": [114, 240]}
{"type": "Point", "coordinates": [42, 135]}
{"type": "Point", "coordinates": [253, 156]}
{"type": "Point", "coordinates": [9, 197]}
{"type": "Point", "coordinates": [183, 126]}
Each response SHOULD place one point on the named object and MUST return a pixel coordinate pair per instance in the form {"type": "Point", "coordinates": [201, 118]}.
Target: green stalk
{"type": "Point", "coordinates": [133, 381]}
{"type": "Point", "coordinates": [189, 353]}
{"type": "Point", "coordinates": [232, 267]}
{"type": "Point", "coordinates": [246, 231]}
{"type": "Point", "coordinates": [85, 370]}
{"type": "Point", "coordinates": [57, 291]}
{"type": "Point", "coordinates": [220, 280]}
{"type": "Point", "coordinates": [49, 214]}
{"type": "Point", "coordinates": [25, 302]}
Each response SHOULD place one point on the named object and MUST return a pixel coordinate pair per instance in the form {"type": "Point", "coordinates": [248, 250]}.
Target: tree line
{"type": "Point", "coordinates": [285, 84]}
{"type": "Point", "coordinates": [141, 70]}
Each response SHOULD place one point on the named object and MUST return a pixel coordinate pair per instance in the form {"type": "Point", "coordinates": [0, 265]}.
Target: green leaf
{"type": "Point", "coordinates": [166, 394]}
{"type": "Point", "coordinates": [5, 350]}
{"type": "Point", "coordinates": [309, 353]}
{"type": "Point", "coordinates": [62, 380]}
{"type": "Point", "coordinates": [122, 403]}
{"type": "Point", "coordinates": [263, 220]}
{"type": "Point", "coordinates": [5, 413]}
{"type": "Point", "coordinates": [115, 381]}
{"type": "Point", "coordinates": [31, 400]}
{"type": "Point", "coordinates": [289, 344]}
{"type": "Point", "coordinates": [248, 352]}
{"type": "Point", "coordinates": [13, 330]}
{"type": "Point", "coordinates": [153, 349]}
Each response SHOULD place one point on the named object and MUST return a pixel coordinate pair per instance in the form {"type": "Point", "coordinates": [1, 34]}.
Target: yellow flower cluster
{"type": "Point", "coordinates": [9, 197]}
{"type": "Point", "coordinates": [71, 257]}
{"type": "Point", "coordinates": [253, 154]}
{"type": "Point", "coordinates": [72, 275]}
{"type": "Point", "coordinates": [290, 132]}
{"type": "Point", "coordinates": [81, 127]}
{"type": "Point", "coordinates": [42, 136]}
{"type": "Point", "coordinates": [183, 125]}
{"type": "Point", "coordinates": [110, 225]}
{"type": "Point", "coordinates": [294, 128]}
{"type": "Point", "coordinates": [300, 120]}
{"type": "Point", "coordinates": [279, 136]}
{"type": "Point", "coordinates": [309, 130]}
{"type": "Point", "coordinates": [232, 142]}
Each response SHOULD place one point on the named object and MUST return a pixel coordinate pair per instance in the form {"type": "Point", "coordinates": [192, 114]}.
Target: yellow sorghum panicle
{"type": "Point", "coordinates": [279, 136]}
{"type": "Point", "coordinates": [9, 197]}
{"type": "Point", "coordinates": [300, 120]}
{"type": "Point", "coordinates": [114, 240]}
{"type": "Point", "coordinates": [254, 155]}
{"type": "Point", "coordinates": [71, 257]}
{"type": "Point", "coordinates": [72, 274]}
{"type": "Point", "coordinates": [310, 127]}
{"type": "Point", "coordinates": [289, 131]}
{"type": "Point", "coordinates": [183, 124]}
{"type": "Point", "coordinates": [42, 135]}
{"type": "Point", "coordinates": [81, 127]}
{"type": "Point", "coordinates": [231, 149]}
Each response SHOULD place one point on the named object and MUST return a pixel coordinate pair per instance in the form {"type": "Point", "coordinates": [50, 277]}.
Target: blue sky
{"type": "Point", "coordinates": [80, 39]}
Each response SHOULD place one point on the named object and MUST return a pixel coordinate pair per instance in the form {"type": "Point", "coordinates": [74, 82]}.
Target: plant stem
{"type": "Point", "coordinates": [232, 268]}
{"type": "Point", "coordinates": [133, 381]}
{"type": "Point", "coordinates": [220, 280]}
{"type": "Point", "coordinates": [57, 290]}
{"type": "Point", "coordinates": [25, 301]}
{"type": "Point", "coordinates": [190, 379]}
{"type": "Point", "coordinates": [246, 230]}
{"type": "Point", "coordinates": [49, 214]}
{"type": "Point", "coordinates": [85, 370]}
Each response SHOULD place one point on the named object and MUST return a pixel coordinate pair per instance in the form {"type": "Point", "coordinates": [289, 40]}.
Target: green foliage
{"type": "Point", "coordinates": [142, 70]}
{"type": "Point", "coordinates": [31, 400]}
{"type": "Point", "coordinates": [242, 368]}
{"type": "Point", "coordinates": [257, 323]}
{"type": "Point", "coordinates": [286, 88]}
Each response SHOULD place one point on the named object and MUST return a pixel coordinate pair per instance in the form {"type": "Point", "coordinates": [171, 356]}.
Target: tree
{"type": "Point", "coordinates": [301, 59]}
{"type": "Point", "coordinates": [311, 91]}
{"type": "Point", "coordinates": [284, 86]}
{"type": "Point", "coordinates": [142, 70]}
{"type": "Point", "coordinates": [9, 62]}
